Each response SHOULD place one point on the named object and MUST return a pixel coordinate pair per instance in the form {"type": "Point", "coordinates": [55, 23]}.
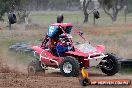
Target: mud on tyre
{"type": "Point", "coordinates": [69, 66]}
{"type": "Point", "coordinates": [35, 67]}
{"type": "Point", "coordinates": [112, 65]}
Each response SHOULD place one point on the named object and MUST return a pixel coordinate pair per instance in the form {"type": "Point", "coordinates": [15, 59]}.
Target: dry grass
{"type": "Point", "coordinates": [117, 39]}
{"type": "Point", "coordinates": [15, 61]}
{"type": "Point", "coordinates": [120, 44]}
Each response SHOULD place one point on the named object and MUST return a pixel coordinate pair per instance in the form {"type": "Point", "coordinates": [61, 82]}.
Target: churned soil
{"type": "Point", "coordinates": [52, 79]}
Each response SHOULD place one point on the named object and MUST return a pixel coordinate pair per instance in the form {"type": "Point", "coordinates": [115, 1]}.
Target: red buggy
{"type": "Point", "coordinates": [72, 61]}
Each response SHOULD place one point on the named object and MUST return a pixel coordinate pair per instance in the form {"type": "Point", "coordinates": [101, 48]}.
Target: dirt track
{"type": "Point", "coordinates": [12, 79]}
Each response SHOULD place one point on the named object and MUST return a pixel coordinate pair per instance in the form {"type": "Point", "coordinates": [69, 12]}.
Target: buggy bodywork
{"type": "Point", "coordinates": [72, 61]}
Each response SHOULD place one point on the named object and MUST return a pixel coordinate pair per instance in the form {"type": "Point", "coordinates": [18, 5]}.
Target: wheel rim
{"type": "Point", "coordinates": [31, 70]}
{"type": "Point", "coordinates": [108, 65]}
{"type": "Point", "coordinates": [67, 67]}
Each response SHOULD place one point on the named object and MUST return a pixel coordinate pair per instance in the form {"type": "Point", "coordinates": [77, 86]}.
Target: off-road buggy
{"type": "Point", "coordinates": [71, 63]}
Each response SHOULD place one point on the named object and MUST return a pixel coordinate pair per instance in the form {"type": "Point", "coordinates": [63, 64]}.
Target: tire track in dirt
{"type": "Point", "coordinates": [52, 79]}
{"type": "Point", "coordinates": [15, 78]}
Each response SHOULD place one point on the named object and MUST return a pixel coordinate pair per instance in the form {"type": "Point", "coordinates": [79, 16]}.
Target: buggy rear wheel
{"type": "Point", "coordinates": [111, 65]}
{"type": "Point", "coordinates": [69, 66]}
{"type": "Point", "coordinates": [35, 67]}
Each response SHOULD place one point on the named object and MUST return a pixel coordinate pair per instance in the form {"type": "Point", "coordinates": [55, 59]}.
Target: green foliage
{"type": "Point", "coordinates": [10, 5]}
{"type": "Point", "coordinates": [52, 4]}
{"type": "Point", "coordinates": [129, 4]}
{"type": "Point", "coordinates": [112, 7]}
{"type": "Point", "coordinates": [6, 6]}
{"type": "Point", "coordinates": [63, 4]}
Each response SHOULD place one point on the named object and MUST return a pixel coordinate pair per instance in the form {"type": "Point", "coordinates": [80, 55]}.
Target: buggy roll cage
{"type": "Point", "coordinates": [61, 27]}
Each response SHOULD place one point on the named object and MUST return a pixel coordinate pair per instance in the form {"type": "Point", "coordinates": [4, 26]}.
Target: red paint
{"type": "Point", "coordinates": [62, 24]}
{"type": "Point", "coordinates": [81, 56]}
{"type": "Point", "coordinates": [77, 54]}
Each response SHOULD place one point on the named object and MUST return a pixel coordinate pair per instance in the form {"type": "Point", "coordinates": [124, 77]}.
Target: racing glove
{"type": "Point", "coordinates": [69, 47]}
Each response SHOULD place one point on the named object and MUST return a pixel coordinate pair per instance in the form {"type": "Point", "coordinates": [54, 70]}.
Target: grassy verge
{"type": "Point", "coordinates": [77, 17]}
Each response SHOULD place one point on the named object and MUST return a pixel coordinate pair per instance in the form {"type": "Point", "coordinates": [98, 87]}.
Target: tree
{"type": "Point", "coordinates": [21, 11]}
{"type": "Point", "coordinates": [63, 4]}
{"type": "Point", "coordinates": [112, 7]}
{"type": "Point", "coordinates": [19, 6]}
{"type": "Point", "coordinates": [85, 4]}
{"type": "Point", "coordinates": [6, 6]}
{"type": "Point", "coordinates": [129, 6]}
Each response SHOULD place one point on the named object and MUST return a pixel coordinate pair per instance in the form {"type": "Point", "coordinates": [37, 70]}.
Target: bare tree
{"type": "Point", "coordinates": [85, 4]}
{"type": "Point", "coordinates": [21, 11]}
{"type": "Point", "coordinates": [112, 7]}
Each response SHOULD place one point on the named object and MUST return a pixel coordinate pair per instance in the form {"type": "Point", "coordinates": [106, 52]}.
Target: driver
{"type": "Point", "coordinates": [63, 45]}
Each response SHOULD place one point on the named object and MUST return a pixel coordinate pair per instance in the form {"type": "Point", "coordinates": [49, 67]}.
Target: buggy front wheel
{"type": "Point", "coordinates": [69, 66]}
